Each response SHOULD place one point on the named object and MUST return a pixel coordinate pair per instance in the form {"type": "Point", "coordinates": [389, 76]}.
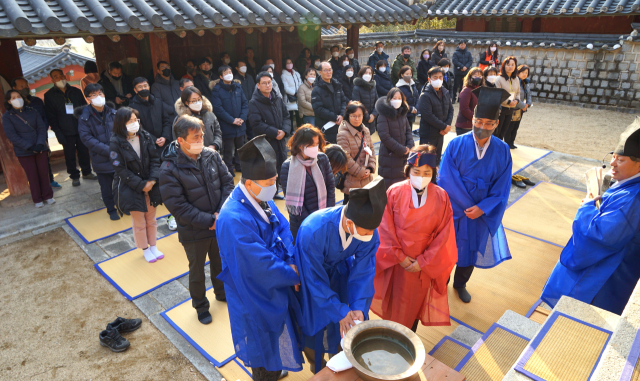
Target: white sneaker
{"type": "Point", "coordinates": [148, 255]}
{"type": "Point", "coordinates": [50, 201]}
{"type": "Point", "coordinates": [171, 223]}
{"type": "Point", "coordinates": [156, 252]}
{"type": "Point", "coordinates": [39, 204]}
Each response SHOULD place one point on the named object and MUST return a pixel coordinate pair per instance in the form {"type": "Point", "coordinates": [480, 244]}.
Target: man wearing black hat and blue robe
{"type": "Point", "coordinates": [258, 269]}
{"type": "Point", "coordinates": [335, 253]}
{"type": "Point", "coordinates": [600, 264]}
{"type": "Point", "coordinates": [476, 173]}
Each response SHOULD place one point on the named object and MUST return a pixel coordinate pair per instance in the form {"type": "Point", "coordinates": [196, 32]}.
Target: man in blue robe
{"type": "Point", "coordinates": [336, 255]}
{"type": "Point", "coordinates": [476, 173]}
{"type": "Point", "coordinates": [258, 269]}
{"type": "Point", "coordinates": [601, 263]}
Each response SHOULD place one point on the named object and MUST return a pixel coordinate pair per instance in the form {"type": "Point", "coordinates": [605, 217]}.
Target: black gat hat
{"type": "Point", "coordinates": [257, 159]}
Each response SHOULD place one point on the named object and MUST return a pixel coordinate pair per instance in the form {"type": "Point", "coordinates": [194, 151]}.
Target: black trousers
{"type": "Point", "coordinates": [461, 131]}
{"type": "Point", "coordinates": [231, 145]}
{"type": "Point", "coordinates": [197, 255]}
{"type": "Point", "coordinates": [261, 374]}
{"type": "Point", "coordinates": [503, 124]}
{"type": "Point", "coordinates": [436, 141]}
{"type": "Point", "coordinates": [510, 135]}
{"type": "Point", "coordinates": [71, 146]}
{"type": "Point", "coordinates": [106, 188]}
{"type": "Point", "coordinates": [461, 276]}
{"type": "Point", "coordinates": [457, 85]}
{"type": "Point", "coordinates": [294, 225]}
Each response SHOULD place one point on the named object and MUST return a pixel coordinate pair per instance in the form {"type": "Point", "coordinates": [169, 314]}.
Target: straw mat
{"type": "Point", "coordinates": [568, 352]}
{"type": "Point", "coordinates": [232, 371]}
{"type": "Point", "coordinates": [546, 212]}
{"type": "Point", "coordinates": [636, 372]}
{"type": "Point", "coordinates": [495, 357]}
{"type": "Point", "coordinates": [450, 353]}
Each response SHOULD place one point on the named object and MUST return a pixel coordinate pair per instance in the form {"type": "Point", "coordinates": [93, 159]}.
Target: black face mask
{"type": "Point", "coordinates": [166, 72]}
{"type": "Point", "coordinates": [116, 78]}
{"type": "Point", "coordinates": [144, 93]}
{"type": "Point", "coordinates": [206, 72]}
{"type": "Point", "coordinates": [476, 81]}
{"type": "Point", "coordinates": [191, 70]}
{"type": "Point", "coordinates": [406, 56]}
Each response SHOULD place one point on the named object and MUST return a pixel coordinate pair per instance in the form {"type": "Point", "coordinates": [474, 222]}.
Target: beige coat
{"type": "Point", "coordinates": [514, 87]}
{"type": "Point", "coordinates": [304, 100]}
{"type": "Point", "coordinates": [350, 139]}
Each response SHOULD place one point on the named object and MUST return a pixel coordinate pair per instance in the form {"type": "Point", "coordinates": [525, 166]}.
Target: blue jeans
{"type": "Point", "coordinates": [309, 119]}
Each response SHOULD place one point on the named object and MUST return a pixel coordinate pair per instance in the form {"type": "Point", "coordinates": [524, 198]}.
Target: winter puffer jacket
{"type": "Point", "coordinates": [192, 191]}
{"type": "Point", "coordinates": [462, 58]}
{"type": "Point", "coordinates": [212, 131]}
{"type": "Point", "coordinates": [399, 63]}
{"type": "Point", "coordinates": [133, 172]}
{"type": "Point", "coordinates": [310, 203]}
{"type": "Point", "coordinates": [436, 113]}
{"type": "Point", "coordinates": [383, 82]}
{"type": "Point", "coordinates": [347, 86]}
{"type": "Point", "coordinates": [367, 94]}
{"type": "Point", "coordinates": [423, 71]}
{"type": "Point", "coordinates": [110, 91]}
{"type": "Point", "coordinates": [395, 138]}
{"type": "Point", "coordinates": [375, 57]}
{"type": "Point", "coordinates": [327, 104]}
{"type": "Point", "coordinates": [268, 116]}
{"type": "Point", "coordinates": [54, 106]}
{"type": "Point", "coordinates": [95, 133]}
{"type": "Point", "coordinates": [166, 90]}
{"type": "Point", "coordinates": [304, 100]}
{"type": "Point", "coordinates": [350, 139]}
{"type": "Point", "coordinates": [201, 82]}
{"type": "Point", "coordinates": [229, 103]}
{"type": "Point", "coordinates": [24, 136]}
{"type": "Point", "coordinates": [155, 116]}
{"type": "Point", "coordinates": [468, 101]}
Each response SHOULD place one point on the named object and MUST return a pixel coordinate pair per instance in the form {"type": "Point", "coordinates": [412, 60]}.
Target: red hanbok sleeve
{"type": "Point", "coordinates": [390, 250]}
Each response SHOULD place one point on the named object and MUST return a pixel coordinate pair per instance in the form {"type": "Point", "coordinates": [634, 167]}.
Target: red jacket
{"type": "Point", "coordinates": [468, 102]}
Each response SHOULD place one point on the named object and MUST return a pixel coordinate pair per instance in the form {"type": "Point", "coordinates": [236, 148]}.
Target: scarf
{"type": "Point", "coordinates": [296, 184]}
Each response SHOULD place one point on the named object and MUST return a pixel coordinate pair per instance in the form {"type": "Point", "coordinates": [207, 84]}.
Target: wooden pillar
{"type": "Point", "coordinates": [353, 36]}
{"type": "Point", "coordinates": [241, 44]}
{"type": "Point", "coordinates": [159, 49]}
{"type": "Point", "coordinates": [13, 173]}
{"type": "Point", "coordinates": [274, 49]}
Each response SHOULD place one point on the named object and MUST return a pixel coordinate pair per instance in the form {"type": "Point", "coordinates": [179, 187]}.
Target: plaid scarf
{"type": "Point", "coordinates": [296, 184]}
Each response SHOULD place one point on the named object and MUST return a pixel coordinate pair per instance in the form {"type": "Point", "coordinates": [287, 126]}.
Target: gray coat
{"type": "Point", "coordinates": [166, 90]}
{"type": "Point", "coordinates": [395, 137]}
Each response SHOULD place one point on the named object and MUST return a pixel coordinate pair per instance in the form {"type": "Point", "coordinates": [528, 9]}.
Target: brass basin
{"type": "Point", "coordinates": [384, 334]}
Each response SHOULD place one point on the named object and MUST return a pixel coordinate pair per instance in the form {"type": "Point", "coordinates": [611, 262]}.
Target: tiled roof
{"type": "Point", "coordinates": [461, 8]}
{"type": "Point", "coordinates": [38, 61]}
{"type": "Point", "coordinates": [26, 18]}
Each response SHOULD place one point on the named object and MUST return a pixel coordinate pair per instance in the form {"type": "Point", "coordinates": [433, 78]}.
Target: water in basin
{"type": "Point", "coordinates": [383, 356]}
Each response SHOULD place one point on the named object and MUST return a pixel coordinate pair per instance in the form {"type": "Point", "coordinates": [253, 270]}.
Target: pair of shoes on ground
{"type": "Point", "coordinates": [112, 338]}
{"type": "Point", "coordinates": [204, 317]}
{"type": "Point", "coordinates": [50, 201]}
{"type": "Point", "coordinates": [521, 181]}
{"type": "Point", "coordinates": [171, 223]}
{"type": "Point", "coordinates": [55, 184]}
{"type": "Point", "coordinates": [152, 254]}
{"type": "Point", "coordinates": [90, 176]}
{"type": "Point", "coordinates": [463, 294]}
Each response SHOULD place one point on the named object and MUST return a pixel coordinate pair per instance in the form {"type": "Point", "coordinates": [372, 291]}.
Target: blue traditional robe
{"type": "Point", "coordinates": [334, 280]}
{"type": "Point", "coordinates": [601, 263]}
{"type": "Point", "coordinates": [483, 182]}
{"type": "Point", "coordinates": [263, 308]}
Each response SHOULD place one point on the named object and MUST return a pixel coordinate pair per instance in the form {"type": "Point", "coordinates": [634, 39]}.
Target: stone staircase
{"type": "Point", "coordinates": [493, 355]}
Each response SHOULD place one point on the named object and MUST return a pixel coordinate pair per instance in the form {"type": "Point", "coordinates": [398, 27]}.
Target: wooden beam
{"type": "Point", "coordinates": [159, 49]}
{"type": "Point", "coordinates": [353, 36]}
{"type": "Point", "coordinates": [14, 175]}
{"type": "Point", "coordinates": [274, 49]}
{"type": "Point", "coordinates": [241, 43]}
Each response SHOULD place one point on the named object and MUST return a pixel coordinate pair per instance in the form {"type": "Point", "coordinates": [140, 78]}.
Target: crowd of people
{"type": "Point", "coordinates": [295, 285]}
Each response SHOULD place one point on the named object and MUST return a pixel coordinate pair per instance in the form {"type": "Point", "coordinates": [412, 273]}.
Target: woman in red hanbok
{"type": "Point", "coordinates": [417, 247]}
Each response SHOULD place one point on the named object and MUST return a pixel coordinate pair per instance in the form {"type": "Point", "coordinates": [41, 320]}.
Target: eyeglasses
{"type": "Point", "coordinates": [489, 125]}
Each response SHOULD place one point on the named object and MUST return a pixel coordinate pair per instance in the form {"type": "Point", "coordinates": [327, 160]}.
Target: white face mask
{"type": "Point", "coordinates": [445, 69]}
{"type": "Point", "coordinates": [363, 238]}
{"type": "Point", "coordinates": [425, 56]}
{"type": "Point", "coordinates": [311, 152]}
{"type": "Point", "coordinates": [349, 74]}
{"type": "Point", "coordinates": [243, 69]}
{"type": "Point", "coordinates": [382, 69]}
{"type": "Point", "coordinates": [273, 66]}
{"type": "Point", "coordinates": [196, 106]}
{"type": "Point", "coordinates": [61, 83]}
{"type": "Point", "coordinates": [317, 64]}
{"type": "Point", "coordinates": [493, 48]}
{"type": "Point", "coordinates": [266, 193]}
{"type": "Point", "coordinates": [379, 50]}
{"type": "Point", "coordinates": [311, 80]}
{"type": "Point", "coordinates": [396, 103]}
{"type": "Point", "coordinates": [419, 182]}
{"type": "Point", "coordinates": [98, 101]}
{"type": "Point", "coordinates": [228, 77]}
{"type": "Point", "coordinates": [335, 54]}
{"type": "Point", "coordinates": [133, 127]}
{"type": "Point", "coordinates": [351, 56]}
{"type": "Point", "coordinates": [17, 103]}
{"type": "Point", "coordinates": [436, 83]}
{"type": "Point", "coordinates": [289, 66]}
{"type": "Point", "coordinates": [195, 148]}
{"type": "Point", "coordinates": [492, 78]}
{"type": "Point", "coordinates": [345, 63]}
{"type": "Point", "coordinates": [271, 74]}
{"type": "Point", "coordinates": [366, 77]}
{"type": "Point", "coordinates": [226, 61]}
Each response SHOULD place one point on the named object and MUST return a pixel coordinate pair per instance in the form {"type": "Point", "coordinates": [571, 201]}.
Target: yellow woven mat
{"type": "Point", "coordinates": [495, 357]}
{"type": "Point", "coordinates": [231, 371]}
{"type": "Point", "coordinates": [96, 225]}
{"type": "Point", "coordinates": [636, 372]}
{"type": "Point", "coordinates": [303, 375]}
{"type": "Point", "coordinates": [450, 353]}
{"type": "Point", "coordinates": [568, 352]}
{"type": "Point", "coordinates": [132, 275]}
{"type": "Point", "coordinates": [545, 212]}
{"type": "Point", "coordinates": [213, 339]}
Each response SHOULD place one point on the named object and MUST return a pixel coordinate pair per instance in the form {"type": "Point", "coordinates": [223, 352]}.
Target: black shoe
{"type": "Point", "coordinates": [283, 374]}
{"type": "Point", "coordinates": [278, 197]}
{"type": "Point", "coordinates": [221, 298]}
{"type": "Point", "coordinates": [205, 317]}
{"type": "Point", "coordinates": [90, 176]}
{"type": "Point", "coordinates": [512, 146]}
{"type": "Point", "coordinates": [127, 213]}
{"type": "Point", "coordinates": [111, 339]}
{"type": "Point", "coordinates": [123, 325]}
{"type": "Point", "coordinates": [463, 294]}
{"type": "Point", "coordinates": [518, 183]}
{"type": "Point", "coordinates": [114, 216]}
{"type": "Point", "coordinates": [528, 182]}
{"type": "Point", "coordinates": [238, 169]}
{"type": "Point", "coordinates": [75, 182]}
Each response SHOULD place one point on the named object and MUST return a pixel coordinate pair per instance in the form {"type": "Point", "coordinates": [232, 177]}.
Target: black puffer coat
{"type": "Point", "coordinates": [133, 172]}
{"type": "Point", "coordinates": [383, 82]}
{"type": "Point", "coordinates": [310, 203]}
{"type": "Point", "coordinates": [436, 113]}
{"type": "Point", "coordinates": [327, 104]}
{"type": "Point", "coordinates": [155, 117]}
{"type": "Point", "coordinates": [395, 138]}
{"type": "Point", "coordinates": [267, 116]}
{"type": "Point", "coordinates": [194, 191]}
{"type": "Point", "coordinates": [347, 86]}
{"type": "Point", "coordinates": [366, 93]}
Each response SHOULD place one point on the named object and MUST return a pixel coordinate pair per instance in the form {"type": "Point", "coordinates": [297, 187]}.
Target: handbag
{"type": "Point", "coordinates": [341, 177]}
{"type": "Point", "coordinates": [292, 98]}
{"type": "Point", "coordinates": [516, 115]}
